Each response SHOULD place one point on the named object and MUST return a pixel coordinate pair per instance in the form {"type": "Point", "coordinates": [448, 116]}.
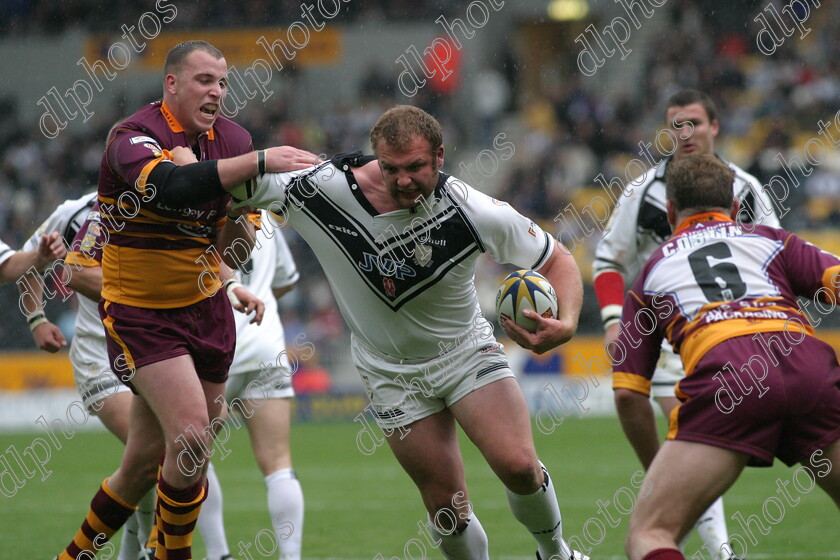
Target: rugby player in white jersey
{"type": "Point", "coordinates": [637, 226]}
{"type": "Point", "coordinates": [77, 222]}
{"type": "Point", "coordinates": [398, 240]}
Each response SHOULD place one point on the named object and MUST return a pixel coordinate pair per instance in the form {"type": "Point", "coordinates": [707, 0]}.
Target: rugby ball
{"type": "Point", "coordinates": [525, 289]}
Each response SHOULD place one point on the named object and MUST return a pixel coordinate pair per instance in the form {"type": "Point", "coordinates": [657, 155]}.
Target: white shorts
{"type": "Point", "coordinates": [669, 371]}
{"type": "Point", "coordinates": [94, 379]}
{"type": "Point", "coordinates": [269, 383]}
{"type": "Point", "coordinates": [404, 391]}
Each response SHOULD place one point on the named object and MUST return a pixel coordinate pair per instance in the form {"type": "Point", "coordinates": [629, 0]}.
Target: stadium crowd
{"type": "Point", "coordinates": [567, 134]}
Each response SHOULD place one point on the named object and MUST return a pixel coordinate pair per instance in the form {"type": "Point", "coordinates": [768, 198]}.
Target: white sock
{"type": "Point", "coordinates": [468, 542]}
{"type": "Point", "coordinates": [145, 516]}
{"type": "Point", "coordinates": [136, 529]}
{"type": "Point", "coordinates": [712, 529]}
{"type": "Point", "coordinates": [129, 543]}
{"type": "Point", "coordinates": [540, 514]}
{"type": "Point", "coordinates": [285, 506]}
{"type": "Point", "coordinates": [210, 521]}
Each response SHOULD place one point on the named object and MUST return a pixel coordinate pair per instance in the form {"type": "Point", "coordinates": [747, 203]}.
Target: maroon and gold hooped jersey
{"type": "Point", "coordinates": [157, 256]}
{"type": "Point", "coordinates": [714, 280]}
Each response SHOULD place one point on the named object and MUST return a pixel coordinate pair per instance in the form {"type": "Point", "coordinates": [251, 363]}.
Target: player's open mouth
{"type": "Point", "coordinates": [209, 110]}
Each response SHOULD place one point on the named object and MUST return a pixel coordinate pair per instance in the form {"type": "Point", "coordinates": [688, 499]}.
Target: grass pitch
{"type": "Point", "coordinates": [360, 506]}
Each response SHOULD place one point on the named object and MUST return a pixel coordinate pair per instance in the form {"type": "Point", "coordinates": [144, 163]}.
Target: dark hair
{"type": "Point", "coordinates": [179, 52]}
{"type": "Point", "coordinates": [400, 124]}
{"type": "Point", "coordinates": [699, 182]}
{"type": "Point", "coordinates": [689, 96]}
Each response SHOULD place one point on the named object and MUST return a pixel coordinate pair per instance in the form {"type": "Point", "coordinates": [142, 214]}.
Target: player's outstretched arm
{"type": "Point", "coordinates": [638, 422]}
{"type": "Point", "coordinates": [49, 249]}
{"type": "Point", "coordinates": [194, 183]}
{"type": "Point", "coordinates": [563, 273]}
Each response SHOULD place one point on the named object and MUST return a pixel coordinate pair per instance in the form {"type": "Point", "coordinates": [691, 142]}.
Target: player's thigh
{"type": "Point", "coordinates": [176, 395]}
{"type": "Point", "coordinates": [428, 451]}
{"type": "Point", "coordinates": [496, 419]}
{"type": "Point", "coordinates": [825, 468]}
{"type": "Point", "coordinates": [268, 427]}
{"type": "Point", "coordinates": [683, 480]}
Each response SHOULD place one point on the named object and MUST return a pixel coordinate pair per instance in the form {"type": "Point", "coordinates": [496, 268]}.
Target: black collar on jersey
{"type": "Point", "coordinates": [346, 161]}
{"type": "Point", "coordinates": [351, 159]}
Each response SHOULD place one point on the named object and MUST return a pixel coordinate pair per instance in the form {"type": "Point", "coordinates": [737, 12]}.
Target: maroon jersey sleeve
{"type": "Point", "coordinates": [86, 247]}
{"type": "Point", "coordinates": [132, 155]}
{"type": "Point", "coordinates": [809, 268]}
{"type": "Point", "coordinates": [636, 350]}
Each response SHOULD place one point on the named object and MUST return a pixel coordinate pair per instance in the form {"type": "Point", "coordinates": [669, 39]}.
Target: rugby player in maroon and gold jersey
{"type": "Point", "coordinates": [758, 383]}
{"type": "Point", "coordinates": [169, 329]}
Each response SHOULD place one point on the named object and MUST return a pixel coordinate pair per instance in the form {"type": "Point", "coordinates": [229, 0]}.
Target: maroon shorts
{"type": "Point", "coordinates": [740, 399]}
{"type": "Point", "coordinates": [138, 336]}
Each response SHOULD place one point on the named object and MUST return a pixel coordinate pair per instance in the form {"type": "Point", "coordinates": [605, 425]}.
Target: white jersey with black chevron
{"type": "Point", "coordinates": [639, 224]}
{"type": "Point", "coordinates": [403, 280]}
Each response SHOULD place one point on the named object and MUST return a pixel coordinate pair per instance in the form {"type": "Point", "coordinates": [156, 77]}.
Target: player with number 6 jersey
{"type": "Point", "coordinates": [638, 225]}
{"type": "Point", "coordinates": [758, 382]}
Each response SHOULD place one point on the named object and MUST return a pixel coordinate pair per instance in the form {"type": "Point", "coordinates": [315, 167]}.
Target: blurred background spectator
{"type": "Point", "coordinates": [567, 128]}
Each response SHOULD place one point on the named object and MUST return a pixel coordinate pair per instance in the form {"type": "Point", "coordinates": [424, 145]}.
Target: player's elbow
{"type": "Point", "coordinates": [187, 185]}
{"type": "Point", "coordinates": [283, 290]}
{"type": "Point", "coordinates": [626, 400]}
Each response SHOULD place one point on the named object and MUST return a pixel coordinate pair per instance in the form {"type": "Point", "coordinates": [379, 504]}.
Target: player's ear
{"type": "Point", "coordinates": [439, 157]}
{"type": "Point", "coordinates": [169, 83]}
{"type": "Point", "coordinates": [715, 126]}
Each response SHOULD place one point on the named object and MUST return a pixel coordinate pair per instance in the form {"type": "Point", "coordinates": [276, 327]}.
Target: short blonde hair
{"type": "Point", "coordinates": [399, 125]}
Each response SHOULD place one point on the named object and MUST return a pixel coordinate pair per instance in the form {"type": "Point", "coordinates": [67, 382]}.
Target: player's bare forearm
{"type": "Point", "coordinates": [50, 249]}
{"type": "Point", "coordinates": [562, 271]}
{"type": "Point", "coordinates": [639, 424]}
{"type": "Point", "coordinates": [235, 171]}
{"type": "Point", "coordinates": [239, 233]}
{"type": "Point", "coordinates": [86, 280]}
{"type": "Point", "coordinates": [33, 287]}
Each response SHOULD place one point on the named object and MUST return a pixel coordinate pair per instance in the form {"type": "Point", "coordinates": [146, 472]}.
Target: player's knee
{"type": "Point", "coordinates": [521, 474]}
{"type": "Point", "coordinates": [196, 439]}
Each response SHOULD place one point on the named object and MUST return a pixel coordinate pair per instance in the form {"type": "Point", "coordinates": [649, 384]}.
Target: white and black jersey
{"type": "Point", "coordinates": [6, 252]}
{"type": "Point", "coordinates": [270, 265]}
{"type": "Point", "coordinates": [403, 280]}
{"type": "Point", "coordinates": [639, 223]}
{"type": "Point", "coordinates": [67, 219]}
